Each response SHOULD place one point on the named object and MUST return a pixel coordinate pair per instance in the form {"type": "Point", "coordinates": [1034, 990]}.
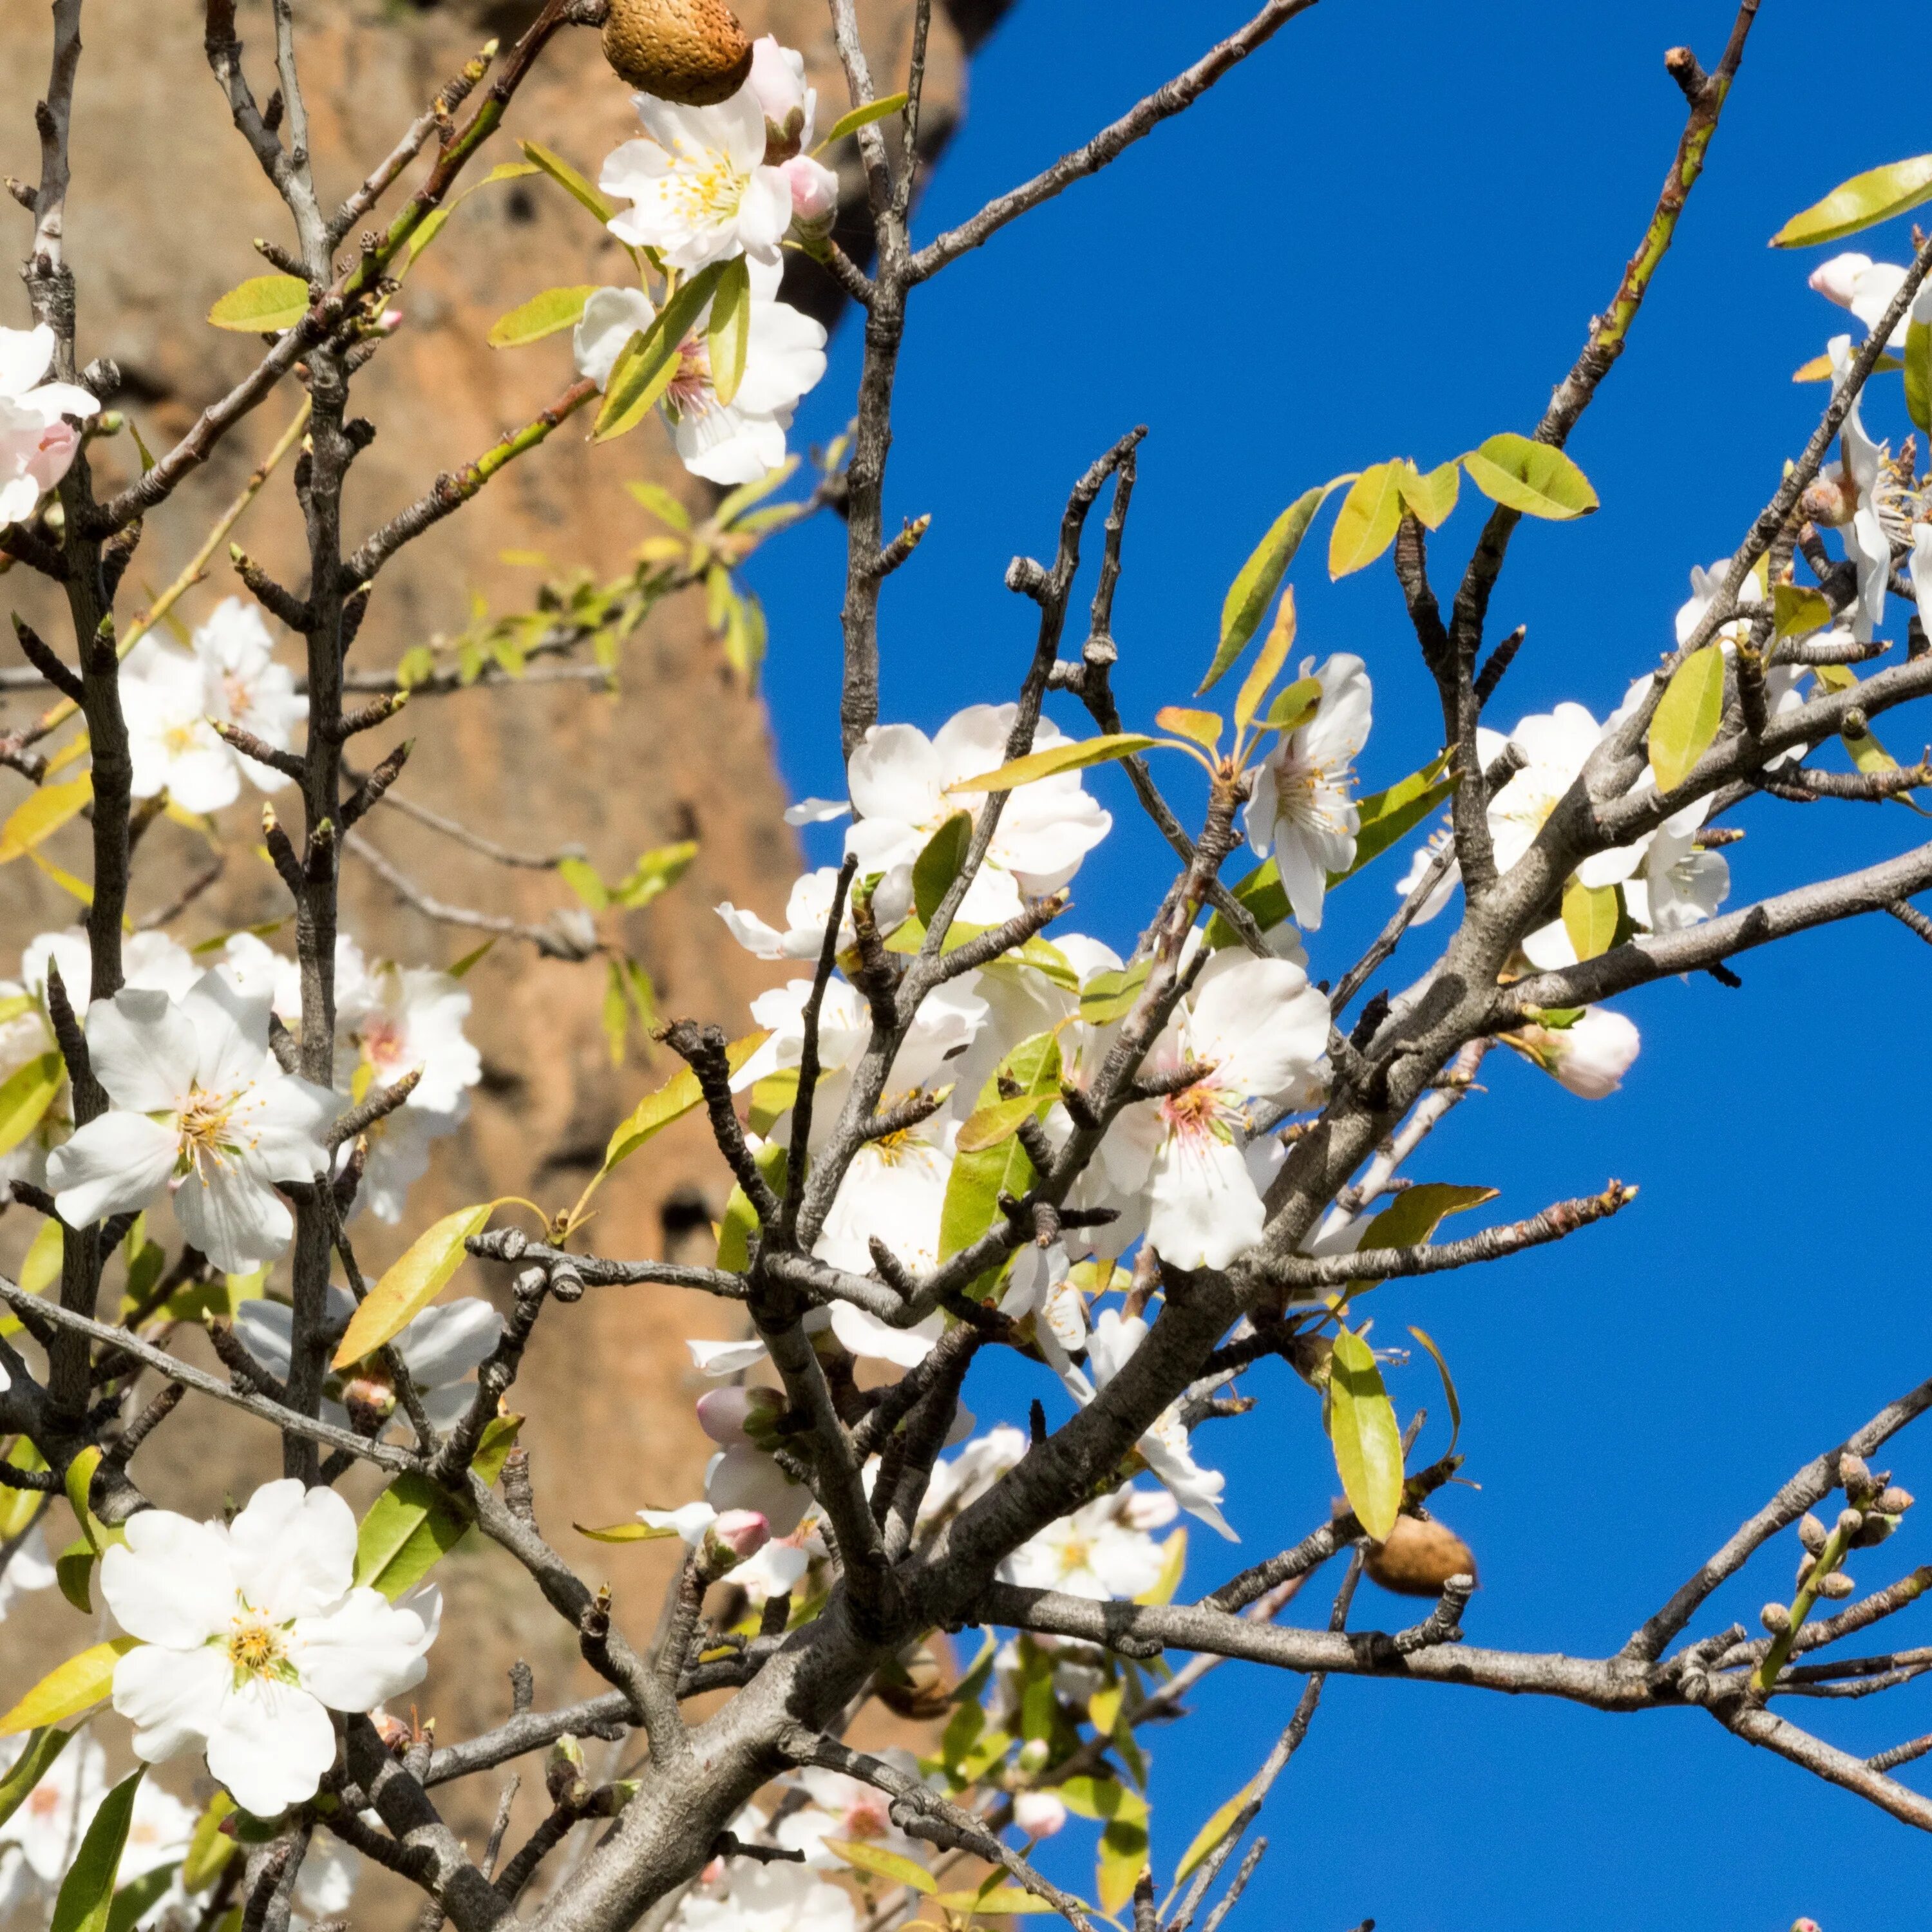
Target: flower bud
{"type": "Point", "coordinates": [736, 1534]}
{"type": "Point", "coordinates": [732, 1416]}
{"type": "Point", "coordinates": [1853, 1472]}
{"type": "Point", "coordinates": [1837, 1585]}
{"type": "Point", "coordinates": [370, 1397]}
{"type": "Point", "coordinates": [1775, 1618]}
{"type": "Point", "coordinates": [1850, 1521]}
{"type": "Point", "coordinates": [1804, 1925]}
{"type": "Point", "coordinates": [1811, 1532]}
{"type": "Point", "coordinates": [607, 1801]}
{"type": "Point", "coordinates": [1590, 1057]}
{"type": "Point", "coordinates": [1040, 1814]}
{"type": "Point", "coordinates": [1836, 280]}
{"type": "Point", "coordinates": [1806, 1564]}
{"type": "Point", "coordinates": [394, 1732]}
{"type": "Point", "coordinates": [1034, 1755]}
{"type": "Point", "coordinates": [1894, 1501]}
{"type": "Point", "coordinates": [1875, 1528]}
{"type": "Point", "coordinates": [564, 1771]}
{"type": "Point", "coordinates": [778, 79]}
{"type": "Point", "coordinates": [815, 194]}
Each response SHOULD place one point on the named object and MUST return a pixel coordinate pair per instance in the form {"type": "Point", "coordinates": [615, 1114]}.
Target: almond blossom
{"type": "Point", "coordinates": [1590, 1056]}
{"type": "Point", "coordinates": [37, 442]}
{"type": "Point", "coordinates": [201, 1111]}
{"type": "Point", "coordinates": [1303, 808]}
{"type": "Point", "coordinates": [250, 1634]}
{"type": "Point", "coordinates": [1101, 1550]}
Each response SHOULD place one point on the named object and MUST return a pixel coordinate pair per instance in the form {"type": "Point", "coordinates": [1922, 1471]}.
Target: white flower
{"type": "Point", "coordinates": [250, 1634]}
{"type": "Point", "coordinates": [862, 1333]}
{"type": "Point", "coordinates": [898, 778]}
{"type": "Point", "coordinates": [744, 1478]}
{"type": "Point", "coordinates": [1921, 568]}
{"type": "Point", "coordinates": [1303, 805]}
{"type": "Point", "coordinates": [718, 1359]}
{"type": "Point", "coordinates": [1040, 1285]}
{"type": "Point", "coordinates": [37, 445]}
{"type": "Point", "coordinates": [697, 181]}
{"type": "Point", "coordinates": [1679, 886]}
{"type": "Point", "coordinates": [29, 1568]}
{"type": "Point", "coordinates": [1868, 288]}
{"type": "Point", "coordinates": [174, 748]}
{"type": "Point", "coordinates": [150, 962]}
{"type": "Point", "coordinates": [894, 1191]}
{"type": "Point", "coordinates": [441, 1348]}
{"type": "Point", "coordinates": [845, 1808]}
{"type": "Point", "coordinates": [1094, 1552]}
{"type": "Point", "coordinates": [690, 1520]}
{"type": "Point", "coordinates": [807, 910]}
{"type": "Point", "coordinates": [243, 684]}
{"type": "Point", "coordinates": [200, 1108]}
{"type": "Point", "coordinates": [737, 442]}
{"type": "Point", "coordinates": [961, 1483]}
{"type": "Point", "coordinates": [399, 1019]}
{"type": "Point", "coordinates": [784, 1898]}
{"type": "Point", "coordinates": [1256, 1027]}
{"type": "Point", "coordinates": [1866, 543]}
{"type": "Point", "coordinates": [791, 108]}
{"type": "Point", "coordinates": [1589, 1057]}
{"type": "Point", "coordinates": [1425, 855]}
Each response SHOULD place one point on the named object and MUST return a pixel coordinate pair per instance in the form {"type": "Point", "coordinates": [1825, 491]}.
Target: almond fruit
{"type": "Point", "coordinates": [692, 51]}
{"type": "Point", "coordinates": [1420, 1555]}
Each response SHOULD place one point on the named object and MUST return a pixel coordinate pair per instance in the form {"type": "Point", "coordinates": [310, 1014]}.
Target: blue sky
{"type": "Point", "coordinates": [1384, 236]}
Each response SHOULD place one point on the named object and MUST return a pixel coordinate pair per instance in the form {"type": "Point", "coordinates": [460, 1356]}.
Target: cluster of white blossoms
{"type": "Point", "coordinates": [709, 185]}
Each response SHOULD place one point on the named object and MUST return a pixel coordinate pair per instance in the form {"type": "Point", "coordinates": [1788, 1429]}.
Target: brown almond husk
{"type": "Point", "coordinates": [1420, 1555]}
{"type": "Point", "coordinates": [692, 51]}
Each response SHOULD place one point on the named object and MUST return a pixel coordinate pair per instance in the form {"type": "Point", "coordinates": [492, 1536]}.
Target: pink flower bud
{"type": "Point", "coordinates": [1039, 1813]}
{"type": "Point", "coordinates": [734, 1418]}
{"type": "Point", "coordinates": [814, 192]}
{"type": "Point", "coordinates": [778, 79]}
{"type": "Point", "coordinates": [1837, 279]}
{"type": "Point", "coordinates": [736, 1535]}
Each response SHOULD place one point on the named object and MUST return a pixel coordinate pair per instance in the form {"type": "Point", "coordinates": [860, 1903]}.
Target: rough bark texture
{"type": "Point", "coordinates": [167, 201]}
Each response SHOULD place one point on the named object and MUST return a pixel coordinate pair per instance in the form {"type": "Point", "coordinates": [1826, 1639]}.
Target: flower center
{"type": "Point", "coordinates": [203, 1127]}
{"type": "Point", "coordinates": [382, 1043]}
{"type": "Point", "coordinates": [256, 1648]}
{"type": "Point", "coordinates": [1198, 1113]}
{"type": "Point", "coordinates": [1313, 791]}
{"type": "Point", "coordinates": [690, 393]}
{"type": "Point", "coordinates": [704, 188]}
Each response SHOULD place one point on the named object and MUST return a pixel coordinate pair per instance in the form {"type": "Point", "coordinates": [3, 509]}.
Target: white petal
{"type": "Point", "coordinates": [817, 811]}
{"type": "Point", "coordinates": [864, 1334]}
{"type": "Point", "coordinates": [1203, 1209]}
{"type": "Point", "coordinates": [747, 1478]}
{"type": "Point", "coordinates": [171, 1582]}
{"type": "Point", "coordinates": [760, 940]}
{"type": "Point", "coordinates": [173, 1698]}
{"type": "Point", "coordinates": [233, 1215]}
{"type": "Point", "coordinates": [726, 1358]}
{"type": "Point", "coordinates": [294, 1549]}
{"type": "Point", "coordinates": [356, 1656]}
{"type": "Point", "coordinates": [270, 1745]}
{"type": "Point", "coordinates": [445, 1343]}
{"type": "Point", "coordinates": [144, 1048]}
{"type": "Point", "coordinates": [1258, 1020]}
{"type": "Point", "coordinates": [115, 1165]}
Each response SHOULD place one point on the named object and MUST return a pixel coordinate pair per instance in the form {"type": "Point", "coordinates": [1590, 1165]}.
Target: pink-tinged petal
{"type": "Point", "coordinates": [270, 1745]}
{"type": "Point", "coordinates": [143, 1049]}
{"type": "Point", "coordinates": [294, 1549]}
{"type": "Point", "coordinates": [234, 1217]}
{"type": "Point", "coordinates": [367, 1650]}
{"type": "Point", "coordinates": [172, 1582]}
{"type": "Point", "coordinates": [171, 1697]}
{"type": "Point", "coordinates": [764, 210]}
{"type": "Point", "coordinates": [115, 1165]}
{"type": "Point", "coordinates": [1203, 1210]}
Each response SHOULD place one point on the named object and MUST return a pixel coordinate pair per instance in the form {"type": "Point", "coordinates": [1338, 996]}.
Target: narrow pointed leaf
{"type": "Point", "coordinates": [1799, 610]}
{"type": "Point", "coordinates": [211, 1847]}
{"type": "Point", "coordinates": [27, 1770]}
{"type": "Point", "coordinates": [863, 117]}
{"type": "Point", "coordinates": [1414, 1215]}
{"type": "Point", "coordinates": [1362, 1428]}
{"type": "Point", "coordinates": [729, 333]}
{"type": "Point", "coordinates": [1268, 661]}
{"type": "Point", "coordinates": [1366, 523]}
{"type": "Point", "coordinates": [1197, 727]}
{"type": "Point", "coordinates": [645, 367]}
{"type": "Point", "coordinates": [938, 864]}
{"type": "Point", "coordinates": [671, 1101]}
{"type": "Point", "coordinates": [411, 1284]}
{"type": "Point", "coordinates": [882, 1863]}
{"type": "Point", "coordinates": [567, 178]}
{"type": "Point", "coordinates": [625, 1532]}
{"type": "Point", "coordinates": [414, 1523]}
{"type": "Point", "coordinates": [1685, 724]}
{"type": "Point", "coordinates": [1590, 917]}
{"type": "Point", "coordinates": [1448, 1387]}
{"type": "Point", "coordinates": [1918, 374]}
{"type": "Point", "coordinates": [542, 315]}
{"type": "Point", "coordinates": [1530, 477]}
{"type": "Point", "coordinates": [980, 1175]}
{"type": "Point", "coordinates": [1866, 199]}
{"type": "Point", "coordinates": [1211, 1833]}
{"type": "Point", "coordinates": [1123, 1858]}
{"type": "Point", "coordinates": [1071, 757]}
{"type": "Point", "coordinates": [997, 1901]}
{"type": "Point", "coordinates": [987, 1127]}
{"type": "Point", "coordinates": [25, 1095]}
{"type": "Point", "coordinates": [1253, 589]}
{"type": "Point", "coordinates": [69, 1688]}
{"type": "Point", "coordinates": [139, 1896]}
{"type": "Point", "coordinates": [1293, 707]}
{"type": "Point", "coordinates": [87, 1892]}
{"type": "Point", "coordinates": [41, 813]}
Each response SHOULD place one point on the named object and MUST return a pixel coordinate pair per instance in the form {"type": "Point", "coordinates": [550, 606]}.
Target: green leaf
{"type": "Point", "coordinates": [1267, 664]}
{"type": "Point", "coordinates": [41, 813]}
{"type": "Point", "coordinates": [1198, 727]}
{"type": "Point", "coordinates": [885, 1864]}
{"type": "Point", "coordinates": [1414, 1216]}
{"type": "Point", "coordinates": [1684, 725]}
{"type": "Point", "coordinates": [1110, 996]}
{"type": "Point", "coordinates": [139, 1897]}
{"type": "Point", "coordinates": [27, 1770]}
{"type": "Point", "coordinates": [1366, 523]}
{"type": "Point", "coordinates": [625, 1532]}
{"type": "Point", "coordinates": [863, 117]}
{"type": "Point", "coordinates": [1106, 1798]}
{"type": "Point", "coordinates": [1123, 1858]}
{"type": "Point", "coordinates": [73, 1572]}
{"type": "Point", "coordinates": [1530, 477]}
{"type": "Point", "coordinates": [542, 315]}
{"type": "Point", "coordinates": [1211, 1833]}
{"type": "Point", "coordinates": [87, 1892]}
{"type": "Point", "coordinates": [647, 362]}
{"type": "Point", "coordinates": [1448, 1387]}
{"type": "Point", "coordinates": [581, 876]}
{"type": "Point", "coordinates": [939, 863]}
{"type": "Point", "coordinates": [1384, 817]}
{"type": "Point", "coordinates": [656, 872]}
{"type": "Point", "coordinates": [741, 1220]}
{"type": "Point", "coordinates": [987, 1127]}
{"type": "Point", "coordinates": [262, 305]}
{"type": "Point", "coordinates": [1918, 374]}
{"type": "Point", "coordinates": [1293, 707]}
{"type": "Point", "coordinates": [671, 1101]}
{"type": "Point", "coordinates": [414, 1523]}
{"type": "Point", "coordinates": [567, 178]}
{"type": "Point", "coordinates": [979, 1176]}
{"type": "Point", "coordinates": [211, 1847]}
{"type": "Point", "coordinates": [661, 504]}
{"type": "Point", "coordinates": [18, 1507]}
{"type": "Point", "coordinates": [411, 1284]}
{"type": "Point", "coordinates": [1590, 915]}
{"type": "Point", "coordinates": [69, 1688]}
{"type": "Point", "coordinates": [1253, 589]}
{"type": "Point", "coordinates": [1072, 756]}
{"type": "Point", "coordinates": [1866, 199]}
{"type": "Point", "coordinates": [728, 334]}
{"type": "Point", "coordinates": [734, 506]}
{"type": "Point", "coordinates": [1430, 498]}
{"type": "Point", "coordinates": [1362, 1428]}
{"type": "Point", "coordinates": [472, 957]}
{"type": "Point", "coordinates": [1798, 611]}
{"type": "Point", "coordinates": [1007, 1901]}
{"type": "Point", "coordinates": [25, 1095]}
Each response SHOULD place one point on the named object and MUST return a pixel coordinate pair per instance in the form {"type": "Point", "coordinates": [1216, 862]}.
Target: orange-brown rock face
{"type": "Point", "coordinates": [166, 199]}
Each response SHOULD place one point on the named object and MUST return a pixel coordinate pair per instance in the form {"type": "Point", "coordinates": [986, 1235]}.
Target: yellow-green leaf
{"type": "Point", "coordinates": [728, 333]}
{"type": "Point", "coordinates": [1362, 1428]}
{"type": "Point", "coordinates": [25, 1095]}
{"type": "Point", "coordinates": [1005, 1901]}
{"type": "Point", "coordinates": [1414, 1216]}
{"type": "Point", "coordinates": [567, 178]}
{"type": "Point", "coordinates": [1253, 589]}
{"type": "Point", "coordinates": [1173, 1567]}
{"type": "Point", "coordinates": [1366, 524]}
{"type": "Point", "coordinates": [647, 362]}
{"type": "Point", "coordinates": [411, 1284]}
{"type": "Point", "coordinates": [1590, 917]}
{"type": "Point", "coordinates": [1530, 477]}
{"type": "Point", "coordinates": [625, 1532]}
{"type": "Point", "coordinates": [1866, 199]}
{"type": "Point", "coordinates": [581, 876]}
{"type": "Point", "coordinates": [1211, 1833]}
{"type": "Point", "coordinates": [1102, 1798]}
{"type": "Point", "coordinates": [41, 813]}
{"type": "Point", "coordinates": [69, 1688]}
{"type": "Point", "coordinates": [863, 117]}
{"type": "Point", "coordinates": [1123, 1858]}
{"type": "Point", "coordinates": [28, 1769]}
{"type": "Point", "coordinates": [262, 305]}
{"type": "Point", "coordinates": [1110, 996]}
{"type": "Point", "coordinates": [1267, 664]}
{"type": "Point", "coordinates": [1072, 756]}
{"type": "Point", "coordinates": [139, 1896]}
{"type": "Point", "coordinates": [87, 1892]}
{"type": "Point", "coordinates": [211, 1847]}
{"type": "Point", "coordinates": [939, 864]}
{"type": "Point", "coordinates": [1430, 496]}
{"type": "Point", "coordinates": [979, 1176]}
{"type": "Point", "coordinates": [671, 1101]}
{"type": "Point", "coordinates": [1918, 374]}
{"type": "Point", "coordinates": [1293, 707]}
{"type": "Point", "coordinates": [1684, 725]}
{"type": "Point", "coordinates": [1435, 1355]}
{"type": "Point", "coordinates": [414, 1523]}
{"type": "Point", "coordinates": [1197, 727]}
{"type": "Point", "coordinates": [542, 315]}
{"type": "Point", "coordinates": [661, 503]}
{"type": "Point", "coordinates": [18, 1507]}
{"type": "Point", "coordinates": [1798, 611]}
{"type": "Point", "coordinates": [884, 1865]}
{"type": "Point", "coordinates": [987, 1127]}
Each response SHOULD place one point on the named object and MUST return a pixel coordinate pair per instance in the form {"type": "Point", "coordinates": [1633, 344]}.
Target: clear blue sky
{"type": "Point", "coordinates": [1385, 235]}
